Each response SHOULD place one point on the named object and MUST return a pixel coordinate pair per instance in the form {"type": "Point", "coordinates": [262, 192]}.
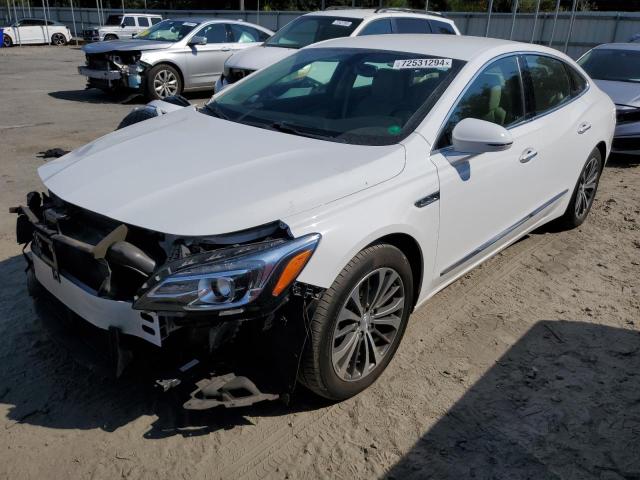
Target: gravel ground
{"type": "Point", "coordinates": [528, 367]}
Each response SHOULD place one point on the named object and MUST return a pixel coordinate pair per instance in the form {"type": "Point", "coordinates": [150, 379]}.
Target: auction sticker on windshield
{"type": "Point", "coordinates": [341, 23]}
{"type": "Point", "coordinates": [423, 63]}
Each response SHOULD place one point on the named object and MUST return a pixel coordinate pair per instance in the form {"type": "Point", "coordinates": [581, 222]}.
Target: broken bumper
{"type": "Point", "coordinates": [100, 74]}
{"type": "Point", "coordinates": [100, 312]}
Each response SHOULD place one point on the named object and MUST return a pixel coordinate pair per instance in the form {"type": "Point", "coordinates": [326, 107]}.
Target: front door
{"type": "Point", "coordinates": [206, 62]}
{"type": "Point", "coordinates": [486, 199]}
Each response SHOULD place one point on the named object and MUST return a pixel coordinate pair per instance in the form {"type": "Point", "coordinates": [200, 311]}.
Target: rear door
{"type": "Point", "coordinates": [559, 118]}
{"type": "Point", "coordinates": [206, 62]}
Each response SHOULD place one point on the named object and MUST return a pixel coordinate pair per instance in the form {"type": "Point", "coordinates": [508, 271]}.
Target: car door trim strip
{"type": "Point", "coordinates": [504, 233]}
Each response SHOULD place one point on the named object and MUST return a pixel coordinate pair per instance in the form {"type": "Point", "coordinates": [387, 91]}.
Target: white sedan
{"type": "Point", "coordinates": [29, 31]}
{"type": "Point", "coordinates": [338, 189]}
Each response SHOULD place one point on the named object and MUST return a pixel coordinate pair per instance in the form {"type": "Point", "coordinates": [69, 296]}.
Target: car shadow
{"type": "Point", "coordinates": [42, 383]}
{"type": "Point", "coordinates": [563, 402]}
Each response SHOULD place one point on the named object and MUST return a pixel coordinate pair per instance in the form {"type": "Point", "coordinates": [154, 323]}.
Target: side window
{"type": "Point", "coordinates": [495, 96]}
{"type": "Point", "coordinates": [578, 82]}
{"type": "Point", "coordinates": [378, 27]}
{"type": "Point", "coordinates": [129, 22]}
{"type": "Point", "coordinates": [244, 34]}
{"type": "Point", "coordinates": [412, 25]}
{"type": "Point", "coordinates": [143, 22]}
{"type": "Point", "coordinates": [155, 20]}
{"type": "Point", "coordinates": [214, 33]}
{"type": "Point", "coordinates": [441, 27]}
{"type": "Point", "coordinates": [549, 82]}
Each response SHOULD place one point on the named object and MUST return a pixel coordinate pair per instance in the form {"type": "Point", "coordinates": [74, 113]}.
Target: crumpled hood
{"type": "Point", "coordinates": [124, 46]}
{"type": "Point", "coordinates": [256, 58]}
{"type": "Point", "coordinates": [622, 93]}
{"type": "Point", "coordinates": [187, 173]}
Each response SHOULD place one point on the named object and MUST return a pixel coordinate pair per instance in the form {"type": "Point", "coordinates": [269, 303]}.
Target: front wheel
{"type": "Point", "coordinates": [110, 37]}
{"type": "Point", "coordinates": [163, 81]}
{"type": "Point", "coordinates": [58, 39]}
{"type": "Point", "coordinates": [358, 323]}
{"type": "Point", "coordinates": [584, 193]}
{"type": "Point", "coordinates": [6, 41]}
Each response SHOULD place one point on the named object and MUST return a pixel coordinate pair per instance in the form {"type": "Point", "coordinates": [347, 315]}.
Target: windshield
{"type": "Point", "coordinates": [113, 20]}
{"type": "Point", "coordinates": [614, 65]}
{"type": "Point", "coordinates": [366, 97]}
{"type": "Point", "coordinates": [307, 29]}
{"type": "Point", "coordinates": [167, 31]}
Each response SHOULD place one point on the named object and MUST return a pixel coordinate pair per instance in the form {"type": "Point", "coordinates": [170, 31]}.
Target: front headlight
{"type": "Point", "coordinates": [627, 114]}
{"type": "Point", "coordinates": [229, 278]}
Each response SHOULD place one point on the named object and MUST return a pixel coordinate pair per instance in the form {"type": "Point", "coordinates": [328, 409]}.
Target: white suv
{"type": "Point", "coordinates": [121, 27]}
{"type": "Point", "coordinates": [331, 23]}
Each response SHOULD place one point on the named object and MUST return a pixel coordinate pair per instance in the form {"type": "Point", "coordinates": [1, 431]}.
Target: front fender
{"type": "Point", "coordinates": [350, 224]}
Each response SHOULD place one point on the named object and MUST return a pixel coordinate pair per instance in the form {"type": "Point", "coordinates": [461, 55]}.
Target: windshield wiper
{"type": "Point", "coordinates": [214, 110]}
{"type": "Point", "coordinates": [287, 128]}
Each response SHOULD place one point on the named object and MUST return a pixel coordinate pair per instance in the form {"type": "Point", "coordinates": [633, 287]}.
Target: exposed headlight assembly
{"type": "Point", "coordinates": [229, 278]}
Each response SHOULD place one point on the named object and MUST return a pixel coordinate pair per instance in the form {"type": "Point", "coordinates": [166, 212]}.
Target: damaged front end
{"type": "Point", "coordinates": [113, 70]}
{"type": "Point", "coordinates": [193, 292]}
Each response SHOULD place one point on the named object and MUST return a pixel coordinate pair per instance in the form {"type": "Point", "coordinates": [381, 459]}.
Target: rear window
{"type": "Point", "coordinates": [310, 29]}
{"type": "Point", "coordinates": [442, 27]}
{"type": "Point", "coordinates": [550, 82]}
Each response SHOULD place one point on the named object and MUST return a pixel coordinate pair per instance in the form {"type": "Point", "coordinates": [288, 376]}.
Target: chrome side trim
{"type": "Point", "coordinates": [504, 233]}
{"type": "Point", "coordinates": [428, 200]}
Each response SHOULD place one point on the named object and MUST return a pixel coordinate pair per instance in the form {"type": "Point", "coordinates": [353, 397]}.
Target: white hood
{"type": "Point", "coordinates": [256, 58]}
{"type": "Point", "coordinates": [187, 173]}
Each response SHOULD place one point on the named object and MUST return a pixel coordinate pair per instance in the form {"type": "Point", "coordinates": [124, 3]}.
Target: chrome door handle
{"type": "Point", "coordinates": [584, 127]}
{"type": "Point", "coordinates": [527, 155]}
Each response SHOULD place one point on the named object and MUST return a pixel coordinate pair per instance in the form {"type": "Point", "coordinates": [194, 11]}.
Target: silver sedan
{"type": "Point", "coordinates": [169, 58]}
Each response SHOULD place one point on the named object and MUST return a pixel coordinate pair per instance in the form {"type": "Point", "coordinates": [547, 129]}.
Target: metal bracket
{"type": "Point", "coordinates": [228, 391]}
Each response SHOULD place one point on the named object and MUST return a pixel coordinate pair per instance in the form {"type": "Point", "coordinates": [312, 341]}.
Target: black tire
{"type": "Point", "coordinates": [318, 372]}
{"type": "Point", "coordinates": [6, 41]}
{"type": "Point", "coordinates": [110, 36]}
{"type": "Point", "coordinates": [58, 39]}
{"type": "Point", "coordinates": [136, 116]}
{"type": "Point", "coordinates": [577, 212]}
{"type": "Point", "coordinates": [156, 77]}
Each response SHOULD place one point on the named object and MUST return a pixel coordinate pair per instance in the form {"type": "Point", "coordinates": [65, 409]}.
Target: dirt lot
{"type": "Point", "coordinates": [529, 367]}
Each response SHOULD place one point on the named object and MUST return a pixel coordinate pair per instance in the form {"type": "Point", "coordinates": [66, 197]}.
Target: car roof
{"type": "Point", "coordinates": [135, 15]}
{"type": "Point", "coordinates": [618, 46]}
{"type": "Point", "coordinates": [200, 20]}
{"type": "Point", "coordinates": [371, 12]}
{"type": "Point", "coordinates": [447, 46]}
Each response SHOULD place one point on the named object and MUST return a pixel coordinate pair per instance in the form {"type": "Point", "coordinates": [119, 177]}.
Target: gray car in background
{"type": "Point", "coordinates": [615, 68]}
{"type": "Point", "coordinates": [172, 57]}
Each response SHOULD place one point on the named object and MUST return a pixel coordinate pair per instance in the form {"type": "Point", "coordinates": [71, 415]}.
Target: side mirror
{"type": "Point", "coordinates": [122, 25]}
{"type": "Point", "coordinates": [198, 41]}
{"type": "Point", "coordinates": [479, 136]}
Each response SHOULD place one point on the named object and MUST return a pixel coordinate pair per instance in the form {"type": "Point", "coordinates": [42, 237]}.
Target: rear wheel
{"type": "Point", "coordinates": [6, 41]}
{"type": "Point", "coordinates": [358, 323]}
{"type": "Point", "coordinates": [163, 81]}
{"type": "Point", "coordinates": [58, 39]}
{"type": "Point", "coordinates": [584, 193]}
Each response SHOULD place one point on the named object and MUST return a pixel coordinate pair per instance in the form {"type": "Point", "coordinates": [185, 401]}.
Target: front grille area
{"type": "Point", "coordinates": [236, 74]}
{"type": "Point", "coordinates": [97, 62]}
{"type": "Point", "coordinates": [622, 143]}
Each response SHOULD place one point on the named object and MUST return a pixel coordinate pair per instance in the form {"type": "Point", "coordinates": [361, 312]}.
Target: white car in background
{"type": "Point", "coordinates": [331, 23]}
{"type": "Point", "coordinates": [30, 31]}
{"type": "Point", "coordinates": [329, 194]}
{"type": "Point", "coordinates": [121, 27]}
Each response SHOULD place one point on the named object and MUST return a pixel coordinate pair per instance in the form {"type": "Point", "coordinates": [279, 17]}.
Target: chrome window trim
{"type": "Point", "coordinates": [492, 241]}
{"type": "Point", "coordinates": [515, 125]}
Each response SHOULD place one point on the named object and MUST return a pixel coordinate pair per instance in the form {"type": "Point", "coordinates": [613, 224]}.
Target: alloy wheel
{"type": "Point", "coordinates": [165, 83]}
{"type": "Point", "coordinates": [587, 187]}
{"type": "Point", "coordinates": [58, 39]}
{"type": "Point", "coordinates": [368, 324]}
